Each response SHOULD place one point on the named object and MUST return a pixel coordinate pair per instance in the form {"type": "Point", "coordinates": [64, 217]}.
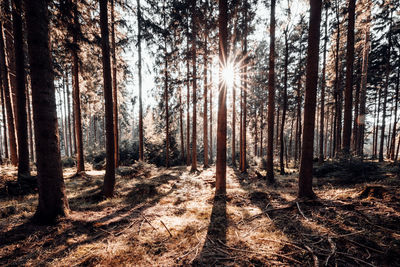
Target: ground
{"type": "Point", "coordinates": [170, 217]}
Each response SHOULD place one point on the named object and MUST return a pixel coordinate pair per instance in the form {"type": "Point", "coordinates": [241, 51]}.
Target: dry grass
{"type": "Point", "coordinates": [169, 217]}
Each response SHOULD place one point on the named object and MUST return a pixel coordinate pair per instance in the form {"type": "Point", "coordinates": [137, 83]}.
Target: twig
{"type": "Point", "coordinates": [356, 259]}
{"type": "Point", "coordinates": [148, 221]}
{"type": "Point", "coordinates": [333, 250]}
{"type": "Point", "coordinates": [140, 227]}
{"type": "Point", "coordinates": [256, 252]}
{"type": "Point", "coordinates": [298, 206]}
{"type": "Point", "coordinates": [315, 258]}
{"type": "Point", "coordinates": [166, 227]}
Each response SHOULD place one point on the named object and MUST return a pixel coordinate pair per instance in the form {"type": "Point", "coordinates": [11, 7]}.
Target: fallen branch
{"type": "Point", "coordinates": [144, 217]}
{"type": "Point", "coordinates": [315, 258]}
{"type": "Point", "coordinates": [298, 207]}
{"type": "Point", "coordinates": [166, 227]}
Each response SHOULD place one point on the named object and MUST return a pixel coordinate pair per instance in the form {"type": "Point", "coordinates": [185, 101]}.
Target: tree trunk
{"type": "Point", "coordinates": [380, 158]}
{"type": "Point", "coordinates": [188, 152]}
{"type": "Point", "coordinates": [52, 198]}
{"type": "Point", "coordinates": [109, 178]}
{"type": "Point", "coordinates": [205, 125]}
{"type": "Point", "coordinates": [323, 84]}
{"type": "Point", "coordinates": [284, 104]}
{"type": "Point", "coordinates": [271, 97]}
{"type": "Point", "coordinates": [211, 113]}
{"type": "Point", "coordinates": [115, 89]}
{"type": "Point", "coordinates": [306, 165]}
{"type": "Point", "coordinates": [244, 120]}
{"type": "Point", "coordinates": [220, 184]}
{"type": "Point", "coordinates": [394, 132]}
{"type": "Point", "coordinates": [194, 69]}
{"type": "Point", "coordinates": [181, 123]}
{"type": "Point", "coordinates": [166, 98]}
{"type": "Point", "coordinates": [3, 109]}
{"type": "Point", "coordinates": [348, 101]}
{"type": "Point", "coordinates": [139, 18]}
{"type": "Point", "coordinates": [80, 165]}
{"type": "Point", "coordinates": [234, 123]}
{"type": "Point", "coordinates": [8, 99]}
{"type": "Point", "coordinates": [70, 139]}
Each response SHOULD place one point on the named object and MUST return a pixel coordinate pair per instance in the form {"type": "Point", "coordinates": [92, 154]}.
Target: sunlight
{"type": "Point", "coordinates": [228, 75]}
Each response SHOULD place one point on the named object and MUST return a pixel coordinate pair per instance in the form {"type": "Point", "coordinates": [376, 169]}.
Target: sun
{"type": "Point", "coordinates": [228, 75]}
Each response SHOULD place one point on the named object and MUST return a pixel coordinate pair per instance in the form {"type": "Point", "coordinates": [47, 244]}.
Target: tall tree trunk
{"type": "Point", "coordinates": [243, 168]}
{"type": "Point", "coordinates": [70, 139]}
{"type": "Point", "coordinates": [211, 116]}
{"type": "Point", "coordinates": [194, 69]}
{"type": "Point", "coordinates": [306, 165]}
{"type": "Point", "coordinates": [271, 97]}
{"type": "Point", "coordinates": [284, 104]}
{"type": "Point", "coordinates": [139, 18]}
{"type": "Point", "coordinates": [363, 93]}
{"type": "Point", "coordinates": [109, 178]}
{"type": "Point", "coordinates": [323, 84]}
{"type": "Point", "coordinates": [52, 198]}
{"type": "Point", "coordinates": [115, 88]}
{"type": "Point", "coordinates": [394, 132]}
{"type": "Point", "coordinates": [385, 90]}
{"type": "Point", "coordinates": [66, 115]}
{"type": "Point", "coordinates": [166, 98]}
{"type": "Point", "coordinates": [3, 109]}
{"type": "Point", "coordinates": [220, 184]}
{"type": "Point", "coordinates": [261, 127]}
{"type": "Point", "coordinates": [188, 152]}
{"type": "Point", "coordinates": [205, 125]}
{"type": "Point", "coordinates": [181, 123]}
{"type": "Point", "coordinates": [80, 165]}
{"type": "Point", "coordinates": [234, 122]}
{"type": "Point", "coordinates": [8, 99]}
{"type": "Point", "coordinates": [348, 101]}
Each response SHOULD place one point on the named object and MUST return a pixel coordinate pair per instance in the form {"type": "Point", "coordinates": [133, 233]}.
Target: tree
{"type": "Point", "coordinates": [220, 184]}
{"type": "Point", "coordinates": [271, 97]}
{"type": "Point", "coordinates": [348, 100]}
{"type": "Point", "coordinates": [109, 178]}
{"type": "Point", "coordinates": [139, 21]}
{"type": "Point", "coordinates": [22, 128]}
{"type": "Point", "coordinates": [194, 84]}
{"type": "Point", "coordinates": [80, 164]}
{"type": "Point", "coordinates": [52, 198]}
{"type": "Point", "coordinates": [7, 95]}
{"type": "Point", "coordinates": [323, 85]}
{"type": "Point", "coordinates": [115, 88]}
{"type": "Point", "coordinates": [306, 164]}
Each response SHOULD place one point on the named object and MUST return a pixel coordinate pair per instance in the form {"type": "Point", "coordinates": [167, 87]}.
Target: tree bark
{"type": "Point", "coordinates": [323, 84]}
{"type": "Point", "coordinates": [194, 69]}
{"type": "Point", "coordinates": [305, 175]}
{"type": "Point", "coordinates": [271, 97]}
{"type": "Point", "coordinates": [394, 132]}
{"type": "Point", "coordinates": [139, 18]}
{"type": "Point", "coordinates": [284, 104]}
{"type": "Point", "coordinates": [220, 184]}
{"type": "Point", "coordinates": [52, 198]}
{"type": "Point", "coordinates": [348, 100]}
{"type": "Point", "coordinates": [115, 88]}
{"type": "Point", "coordinates": [80, 165]}
{"type": "Point", "coordinates": [109, 178]}
{"type": "Point", "coordinates": [385, 91]}
{"type": "Point", "coordinates": [8, 99]}
{"type": "Point", "coordinates": [205, 122]}
{"type": "Point", "coordinates": [188, 152]}
{"type": "Point", "coordinates": [3, 109]}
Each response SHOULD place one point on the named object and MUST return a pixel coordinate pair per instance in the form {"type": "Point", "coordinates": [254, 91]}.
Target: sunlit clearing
{"type": "Point", "coordinates": [228, 75]}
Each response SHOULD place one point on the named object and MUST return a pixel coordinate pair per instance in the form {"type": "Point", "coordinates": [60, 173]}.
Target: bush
{"type": "Point", "coordinates": [68, 162]}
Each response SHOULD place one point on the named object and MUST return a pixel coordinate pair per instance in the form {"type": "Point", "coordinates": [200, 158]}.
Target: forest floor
{"type": "Point", "coordinates": [170, 217]}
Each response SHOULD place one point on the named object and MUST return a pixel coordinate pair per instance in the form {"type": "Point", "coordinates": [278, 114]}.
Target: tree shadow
{"type": "Point", "coordinates": [211, 253]}
{"type": "Point", "coordinates": [55, 241]}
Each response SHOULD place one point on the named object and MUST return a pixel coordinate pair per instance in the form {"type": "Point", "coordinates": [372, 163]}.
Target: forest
{"type": "Point", "coordinates": [199, 133]}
